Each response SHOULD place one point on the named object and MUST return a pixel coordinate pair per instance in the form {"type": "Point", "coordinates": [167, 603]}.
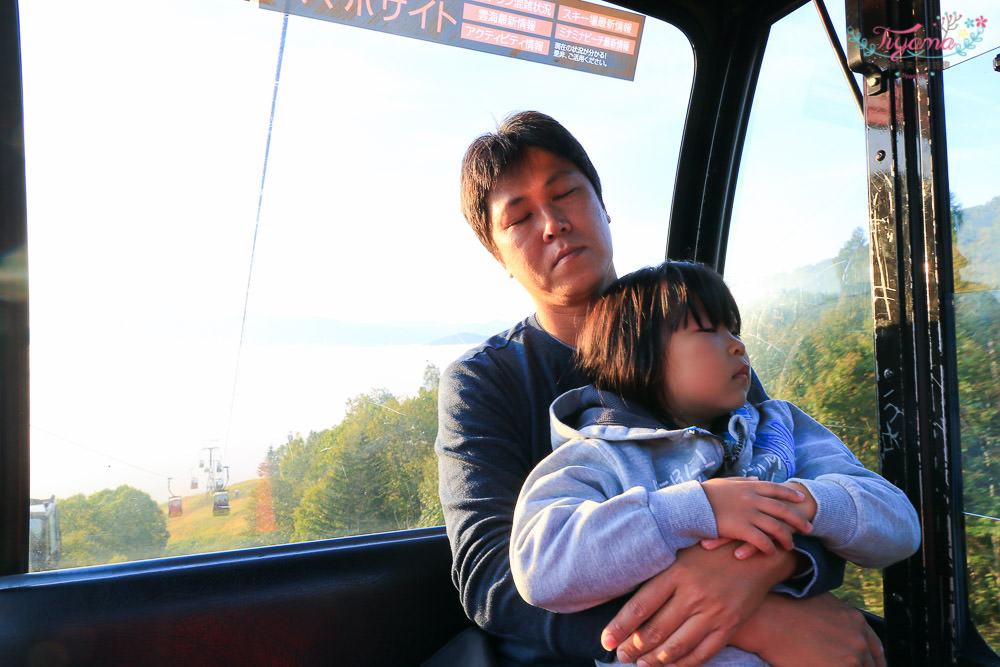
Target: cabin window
{"type": "Point", "coordinates": [797, 259]}
{"type": "Point", "coordinates": [224, 357]}
{"type": "Point", "coordinates": [972, 100]}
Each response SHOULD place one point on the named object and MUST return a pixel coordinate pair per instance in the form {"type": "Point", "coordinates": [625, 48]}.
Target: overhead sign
{"type": "Point", "coordinates": [566, 33]}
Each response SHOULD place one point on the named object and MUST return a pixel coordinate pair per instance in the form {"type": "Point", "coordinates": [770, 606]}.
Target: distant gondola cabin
{"type": "Point", "coordinates": [220, 503]}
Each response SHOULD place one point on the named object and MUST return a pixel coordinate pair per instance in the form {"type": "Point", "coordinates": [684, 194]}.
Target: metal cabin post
{"type": "Point", "coordinates": [911, 255]}
{"type": "Point", "coordinates": [14, 506]}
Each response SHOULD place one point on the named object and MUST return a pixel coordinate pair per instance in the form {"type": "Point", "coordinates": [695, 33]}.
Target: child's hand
{"type": "Point", "coordinates": [741, 552]}
{"type": "Point", "coordinates": [806, 508]}
{"type": "Point", "coordinates": [757, 513]}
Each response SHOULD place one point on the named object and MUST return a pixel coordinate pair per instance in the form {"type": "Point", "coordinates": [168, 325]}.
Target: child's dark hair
{"type": "Point", "coordinates": [621, 346]}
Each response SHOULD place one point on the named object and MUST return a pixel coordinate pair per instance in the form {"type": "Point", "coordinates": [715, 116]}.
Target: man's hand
{"type": "Point", "coordinates": [820, 632]}
{"type": "Point", "coordinates": [756, 512]}
{"type": "Point", "coordinates": [688, 612]}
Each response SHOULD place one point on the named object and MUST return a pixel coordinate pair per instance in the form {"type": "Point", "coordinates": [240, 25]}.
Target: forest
{"type": "Point", "coordinates": [375, 471]}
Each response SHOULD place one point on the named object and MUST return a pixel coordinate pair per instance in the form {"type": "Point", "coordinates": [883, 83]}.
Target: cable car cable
{"type": "Point", "coordinates": [256, 226]}
{"type": "Point", "coordinates": [99, 452]}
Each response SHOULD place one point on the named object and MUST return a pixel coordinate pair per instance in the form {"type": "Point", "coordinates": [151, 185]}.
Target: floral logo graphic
{"type": "Point", "coordinates": [957, 38]}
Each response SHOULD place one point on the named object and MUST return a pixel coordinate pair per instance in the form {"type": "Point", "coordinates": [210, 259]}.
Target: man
{"type": "Point", "coordinates": [533, 197]}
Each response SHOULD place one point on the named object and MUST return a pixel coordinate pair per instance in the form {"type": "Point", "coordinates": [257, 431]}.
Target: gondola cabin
{"type": "Point", "coordinates": [220, 503]}
{"type": "Point", "coordinates": [175, 507]}
{"type": "Point", "coordinates": [238, 223]}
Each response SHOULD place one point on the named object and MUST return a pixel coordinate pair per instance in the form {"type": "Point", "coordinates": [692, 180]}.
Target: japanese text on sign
{"type": "Point", "coordinates": [566, 33]}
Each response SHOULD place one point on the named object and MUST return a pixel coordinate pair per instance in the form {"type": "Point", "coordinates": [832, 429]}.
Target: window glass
{"type": "Point", "coordinates": [224, 355]}
{"type": "Point", "coordinates": [798, 257]}
{"type": "Point", "coordinates": [972, 100]}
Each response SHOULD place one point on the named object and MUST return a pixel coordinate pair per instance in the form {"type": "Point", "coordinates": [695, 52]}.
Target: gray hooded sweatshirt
{"type": "Point", "coordinates": [621, 494]}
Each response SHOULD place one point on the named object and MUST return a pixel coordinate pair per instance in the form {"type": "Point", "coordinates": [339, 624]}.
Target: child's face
{"type": "Point", "coordinates": [706, 375]}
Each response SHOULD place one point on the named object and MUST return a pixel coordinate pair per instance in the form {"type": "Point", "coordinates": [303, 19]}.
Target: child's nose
{"type": "Point", "coordinates": [738, 348]}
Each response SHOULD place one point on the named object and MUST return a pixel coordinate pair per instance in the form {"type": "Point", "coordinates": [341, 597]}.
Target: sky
{"type": "Point", "coordinates": [145, 133]}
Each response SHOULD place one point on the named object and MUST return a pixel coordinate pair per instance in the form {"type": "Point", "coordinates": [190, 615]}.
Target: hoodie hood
{"type": "Point", "coordinates": [588, 412]}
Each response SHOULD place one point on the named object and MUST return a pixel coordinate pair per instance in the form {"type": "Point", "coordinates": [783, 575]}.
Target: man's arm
{"type": "Point", "coordinates": [694, 608]}
{"type": "Point", "coordinates": [709, 599]}
{"type": "Point", "coordinates": [484, 457]}
{"type": "Point", "coordinates": [827, 632]}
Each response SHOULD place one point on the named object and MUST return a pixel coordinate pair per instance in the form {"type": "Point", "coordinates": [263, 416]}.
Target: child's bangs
{"type": "Point", "coordinates": [691, 290]}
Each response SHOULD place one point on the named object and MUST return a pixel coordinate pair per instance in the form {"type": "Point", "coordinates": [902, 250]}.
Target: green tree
{"type": "Point", "coordinates": [976, 240]}
{"type": "Point", "coordinates": [77, 525]}
{"type": "Point", "coordinates": [978, 330]}
{"type": "Point", "coordinates": [374, 471]}
{"type": "Point", "coordinates": [343, 502]}
{"type": "Point", "coordinates": [111, 525]}
{"type": "Point", "coordinates": [426, 413]}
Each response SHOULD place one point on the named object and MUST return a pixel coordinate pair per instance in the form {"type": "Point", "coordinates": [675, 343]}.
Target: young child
{"type": "Point", "coordinates": [658, 454]}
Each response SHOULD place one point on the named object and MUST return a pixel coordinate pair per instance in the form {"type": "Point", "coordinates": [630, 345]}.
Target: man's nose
{"type": "Point", "coordinates": [555, 223]}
